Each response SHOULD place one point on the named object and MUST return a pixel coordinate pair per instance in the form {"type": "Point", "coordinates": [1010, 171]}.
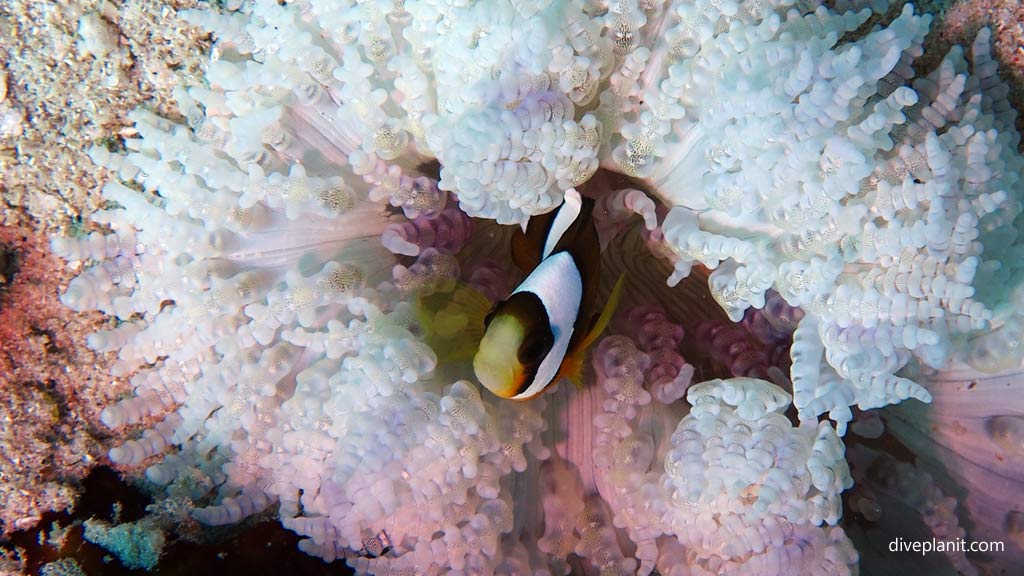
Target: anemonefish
{"type": "Point", "coordinates": [540, 333]}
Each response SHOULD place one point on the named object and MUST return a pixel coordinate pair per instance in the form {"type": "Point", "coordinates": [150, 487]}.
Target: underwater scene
{"type": "Point", "coordinates": [512, 287]}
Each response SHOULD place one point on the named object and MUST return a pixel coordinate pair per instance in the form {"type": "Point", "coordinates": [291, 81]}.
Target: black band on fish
{"type": "Point", "coordinates": [529, 310]}
{"type": "Point", "coordinates": [558, 286]}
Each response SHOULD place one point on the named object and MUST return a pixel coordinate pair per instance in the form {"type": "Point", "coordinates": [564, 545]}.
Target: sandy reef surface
{"type": "Point", "coordinates": [69, 74]}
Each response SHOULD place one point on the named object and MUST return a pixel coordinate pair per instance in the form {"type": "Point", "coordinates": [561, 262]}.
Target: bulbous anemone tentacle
{"type": "Point", "coordinates": [265, 256]}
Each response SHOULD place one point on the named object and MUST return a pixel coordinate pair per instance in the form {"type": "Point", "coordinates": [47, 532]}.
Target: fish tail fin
{"type": "Point", "coordinates": [572, 366]}
{"type": "Point", "coordinates": [453, 322]}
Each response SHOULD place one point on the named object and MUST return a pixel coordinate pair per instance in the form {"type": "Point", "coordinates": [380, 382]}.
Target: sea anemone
{"type": "Point", "coordinates": [344, 160]}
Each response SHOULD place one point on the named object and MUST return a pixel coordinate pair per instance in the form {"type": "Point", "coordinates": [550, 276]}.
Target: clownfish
{"type": "Point", "coordinates": [541, 332]}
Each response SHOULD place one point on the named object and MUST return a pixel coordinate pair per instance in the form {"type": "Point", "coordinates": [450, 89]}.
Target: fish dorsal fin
{"type": "Point", "coordinates": [565, 216]}
{"type": "Point", "coordinates": [528, 244]}
{"type": "Point", "coordinates": [538, 238]}
{"type": "Point", "coordinates": [572, 367]}
{"type": "Point", "coordinates": [606, 314]}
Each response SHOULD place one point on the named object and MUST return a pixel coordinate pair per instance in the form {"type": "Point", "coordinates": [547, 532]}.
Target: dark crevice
{"type": "Point", "coordinates": [254, 547]}
{"type": "Point", "coordinates": [10, 262]}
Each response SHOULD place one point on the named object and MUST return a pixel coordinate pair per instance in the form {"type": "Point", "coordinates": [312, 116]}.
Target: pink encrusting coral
{"type": "Point", "coordinates": [268, 259]}
{"type": "Point", "coordinates": [50, 431]}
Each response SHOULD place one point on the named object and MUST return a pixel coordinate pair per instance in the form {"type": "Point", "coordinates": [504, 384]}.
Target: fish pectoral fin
{"type": "Point", "coordinates": [469, 303]}
{"type": "Point", "coordinates": [577, 377]}
{"type": "Point", "coordinates": [572, 366]}
{"type": "Point", "coordinates": [452, 322]}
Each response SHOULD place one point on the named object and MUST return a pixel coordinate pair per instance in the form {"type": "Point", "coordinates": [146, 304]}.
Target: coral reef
{"type": "Point", "coordinates": [62, 567]}
{"type": "Point", "coordinates": [265, 259]}
{"type": "Point", "coordinates": [262, 545]}
{"type": "Point", "coordinates": [958, 22]}
{"type": "Point", "coordinates": [136, 544]}
{"type": "Point", "coordinates": [56, 102]}
{"type": "Point", "coordinates": [51, 434]}
{"type": "Point", "coordinates": [61, 100]}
